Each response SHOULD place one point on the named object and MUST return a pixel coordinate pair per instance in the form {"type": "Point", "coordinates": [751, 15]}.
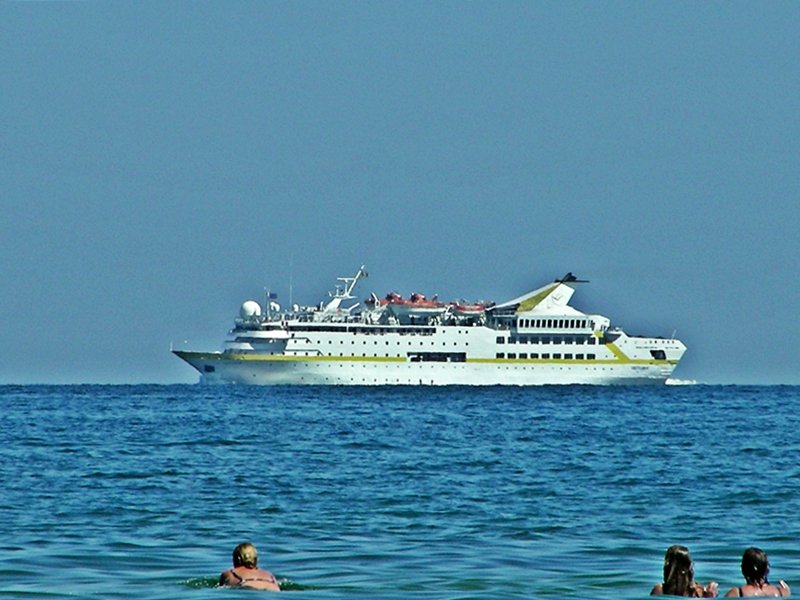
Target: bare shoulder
{"type": "Point", "coordinates": [732, 593]}
{"type": "Point", "coordinates": [268, 581]}
{"type": "Point", "coordinates": [267, 575]}
{"type": "Point", "coordinates": [657, 590]}
{"type": "Point", "coordinates": [225, 577]}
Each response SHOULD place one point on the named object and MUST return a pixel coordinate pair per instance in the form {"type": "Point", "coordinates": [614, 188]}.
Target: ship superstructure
{"type": "Point", "coordinates": [535, 339]}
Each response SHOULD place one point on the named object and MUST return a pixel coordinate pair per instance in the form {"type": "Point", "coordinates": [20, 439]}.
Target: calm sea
{"type": "Point", "coordinates": [569, 492]}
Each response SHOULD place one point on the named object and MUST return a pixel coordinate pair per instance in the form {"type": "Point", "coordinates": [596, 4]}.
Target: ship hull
{"type": "Point", "coordinates": [219, 368]}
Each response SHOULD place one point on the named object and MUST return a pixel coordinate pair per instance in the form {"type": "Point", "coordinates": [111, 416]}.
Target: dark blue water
{"type": "Point", "coordinates": [569, 492]}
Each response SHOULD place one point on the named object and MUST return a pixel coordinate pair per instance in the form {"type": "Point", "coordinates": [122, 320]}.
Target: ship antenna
{"type": "Point", "coordinates": [291, 275]}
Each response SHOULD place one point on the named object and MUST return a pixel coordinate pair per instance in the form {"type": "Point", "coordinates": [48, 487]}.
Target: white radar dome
{"type": "Point", "coordinates": [249, 309]}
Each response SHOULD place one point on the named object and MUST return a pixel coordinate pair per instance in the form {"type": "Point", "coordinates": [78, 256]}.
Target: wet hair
{"type": "Point", "coordinates": [755, 565]}
{"type": "Point", "coordinates": [245, 555]}
{"type": "Point", "coordinates": [678, 572]}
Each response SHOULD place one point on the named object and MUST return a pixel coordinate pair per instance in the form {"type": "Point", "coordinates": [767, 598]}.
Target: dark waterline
{"type": "Point", "coordinates": [142, 491]}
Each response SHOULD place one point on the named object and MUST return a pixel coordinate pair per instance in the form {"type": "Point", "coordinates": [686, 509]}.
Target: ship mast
{"type": "Point", "coordinates": [344, 293]}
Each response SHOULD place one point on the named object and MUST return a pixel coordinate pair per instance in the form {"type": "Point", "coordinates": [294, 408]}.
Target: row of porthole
{"type": "Point", "coordinates": [523, 356]}
{"type": "Point", "coordinates": [499, 355]}
{"type": "Point", "coordinates": [548, 339]}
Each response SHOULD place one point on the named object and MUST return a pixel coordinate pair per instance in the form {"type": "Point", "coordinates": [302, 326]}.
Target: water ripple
{"type": "Point", "coordinates": [142, 491]}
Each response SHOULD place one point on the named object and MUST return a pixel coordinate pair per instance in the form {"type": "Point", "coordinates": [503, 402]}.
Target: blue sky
{"type": "Point", "coordinates": [163, 161]}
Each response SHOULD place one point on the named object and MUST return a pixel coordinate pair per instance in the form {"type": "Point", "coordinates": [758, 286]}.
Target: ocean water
{"type": "Point", "coordinates": [553, 492]}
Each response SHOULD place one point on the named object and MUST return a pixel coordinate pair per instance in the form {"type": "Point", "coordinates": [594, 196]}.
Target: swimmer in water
{"type": "Point", "coordinates": [755, 568]}
{"type": "Point", "coordinates": [679, 577]}
{"type": "Point", "coordinates": [245, 572]}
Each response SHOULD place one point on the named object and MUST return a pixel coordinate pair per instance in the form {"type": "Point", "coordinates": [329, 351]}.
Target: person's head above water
{"type": "Point", "coordinates": [678, 570]}
{"type": "Point", "coordinates": [755, 565]}
{"type": "Point", "coordinates": [245, 555]}
{"type": "Point", "coordinates": [245, 571]}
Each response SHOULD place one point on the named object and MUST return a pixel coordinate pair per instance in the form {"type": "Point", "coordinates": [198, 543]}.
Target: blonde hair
{"type": "Point", "coordinates": [245, 555]}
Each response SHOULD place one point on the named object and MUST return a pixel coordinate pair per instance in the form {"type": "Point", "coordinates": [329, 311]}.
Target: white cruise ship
{"type": "Point", "coordinates": [535, 339]}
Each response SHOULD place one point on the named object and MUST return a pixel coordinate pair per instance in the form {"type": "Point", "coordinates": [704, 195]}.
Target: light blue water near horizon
{"type": "Point", "coordinates": [436, 493]}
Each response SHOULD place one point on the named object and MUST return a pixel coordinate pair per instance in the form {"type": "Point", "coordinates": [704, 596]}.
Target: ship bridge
{"type": "Point", "coordinates": [545, 307]}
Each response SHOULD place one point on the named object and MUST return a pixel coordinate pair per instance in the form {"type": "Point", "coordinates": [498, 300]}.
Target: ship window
{"type": "Point", "coordinates": [545, 356]}
{"type": "Point", "coordinates": [512, 340]}
{"type": "Point", "coordinates": [556, 356]}
{"type": "Point", "coordinates": [568, 356]}
{"type": "Point", "coordinates": [556, 340]}
{"type": "Point", "coordinates": [579, 340]}
{"type": "Point", "coordinates": [592, 341]}
{"type": "Point", "coordinates": [523, 355]}
{"type": "Point", "coordinates": [534, 340]}
{"type": "Point", "coordinates": [500, 339]}
{"type": "Point", "coordinates": [535, 355]}
{"type": "Point", "coordinates": [523, 340]}
{"type": "Point", "coordinates": [658, 354]}
{"type": "Point", "coordinates": [579, 356]}
{"type": "Point", "coordinates": [512, 355]}
{"type": "Point", "coordinates": [590, 356]}
{"type": "Point", "coordinates": [545, 339]}
{"type": "Point", "coordinates": [500, 355]}
{"type": "Point", "coordinates": [550, 323]}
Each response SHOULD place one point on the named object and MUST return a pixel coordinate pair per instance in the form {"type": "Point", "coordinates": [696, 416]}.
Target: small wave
{"type": "Point", "coordinates": [287, 585]}
{"type": "Point", "coordinates": [202, 582]}
{"type": "Point", "coordinates": [681, 382]}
